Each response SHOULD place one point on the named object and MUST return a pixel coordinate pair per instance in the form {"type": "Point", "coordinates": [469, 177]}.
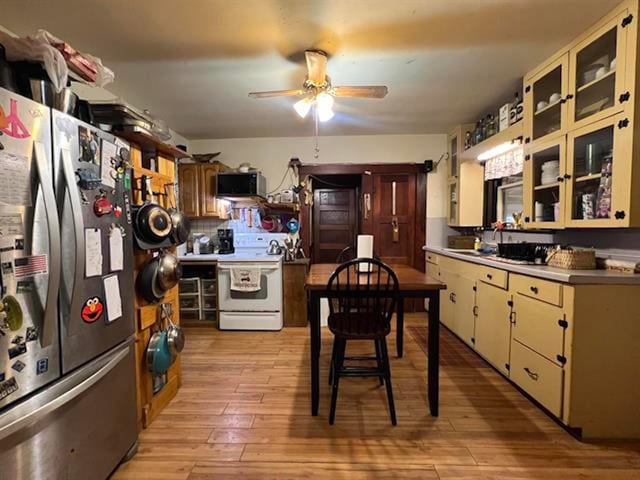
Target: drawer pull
{"type": "Point", "coordinates": [532, 375]}
{"type": "Point", "coordinates": [534, 289]}
{"type": "Point", "coordinates": [489, 276]}
{"type": "Point", "coordinates": [453, 297]}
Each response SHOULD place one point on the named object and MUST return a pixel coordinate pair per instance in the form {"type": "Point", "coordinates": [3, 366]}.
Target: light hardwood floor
{"type": "Point", "coordinates": [243, 412]}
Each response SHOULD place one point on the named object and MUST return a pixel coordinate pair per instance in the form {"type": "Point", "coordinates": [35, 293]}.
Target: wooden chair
{"type": "Point", "coordinates": [362, 295]}
{"type": "Point", "coordinates": [349, 253]}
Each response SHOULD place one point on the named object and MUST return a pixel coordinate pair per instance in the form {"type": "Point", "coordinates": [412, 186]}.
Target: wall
{"type": "Point", "coordinates": [271, 156]}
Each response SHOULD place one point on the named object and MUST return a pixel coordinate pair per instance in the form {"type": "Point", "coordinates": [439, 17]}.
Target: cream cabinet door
{"type": "Point", "coordinates": [464, 300]}
{"type": "Point", "coordinates": [447, 306]}
{"type": "Point", "coordinates": [493, 325]}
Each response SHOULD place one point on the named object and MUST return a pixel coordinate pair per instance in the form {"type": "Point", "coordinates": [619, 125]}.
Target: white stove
{"type": "Point", "coordinates": [260, 310]}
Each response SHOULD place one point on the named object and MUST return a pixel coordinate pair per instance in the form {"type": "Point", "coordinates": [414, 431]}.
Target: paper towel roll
{"type": "Point", "coordinates": [364, 249]}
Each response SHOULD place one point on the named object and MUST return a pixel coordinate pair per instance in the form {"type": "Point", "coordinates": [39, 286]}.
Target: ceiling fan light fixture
{"type": "Point", "coordinates": [324, 113]}
{"type": "Point", "coordinates": [325, 101]}
{"type": "Point", "coordinates": [303, 106]}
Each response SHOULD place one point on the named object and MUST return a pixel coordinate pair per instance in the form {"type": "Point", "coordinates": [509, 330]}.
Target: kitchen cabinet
{"type": "Point", "coordinates": [197, 189]}
{"type": "Point", "coordinates": [457, 305]}
{"type": "Point", "coordinates": [588, 129]}
{"type": "Point", "coordinates": [556, 341]}
{"type": "Point", "coordinates": [465, 183]}
{"type": "Point", "coordinates": [544, 183]}
{"type": "Point", "coordinates": [493, 325]}
{"type": "Point", "coordinates": [294, 303]}
{"type": "Point", "coordinates": [600, 175]}
{"type": "Point", "coordinates": [598, 65]}
{"type": "Point", "coordinates": [545, 97]}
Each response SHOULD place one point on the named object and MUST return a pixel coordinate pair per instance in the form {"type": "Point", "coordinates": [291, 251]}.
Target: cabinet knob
{"type": "Point", "coordinates": [532, 375]}
{"type": "Point", "coordinates": [534, 289]}
{"type": "Point", "coordinates": [489, 276]}
{"type": "Point", "coordinates": [567, 176]}
{"type": "Point", "coordinates": [560, 179]}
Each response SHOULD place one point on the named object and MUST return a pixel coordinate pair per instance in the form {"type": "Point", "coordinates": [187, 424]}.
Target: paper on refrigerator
{"type": "Point", "coordinates": [93, 252]}
{"type": "Point", "coordinates": [15, 179]}
{"type": "Point", "coordinates": [113, 299]}
{"type": "Point", "coordinates": [107, 154]}
{"type": "Point", "coordinates": [116, 250]}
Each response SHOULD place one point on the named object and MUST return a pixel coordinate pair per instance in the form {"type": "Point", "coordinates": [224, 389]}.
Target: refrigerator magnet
{"type": "Point", "coordinates": [108, 156]}
{"type": "Point", "coordinates": [92, 309]}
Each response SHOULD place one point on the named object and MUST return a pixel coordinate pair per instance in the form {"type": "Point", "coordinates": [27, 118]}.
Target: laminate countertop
{"type": "Point", "coordinates": [592, 277]}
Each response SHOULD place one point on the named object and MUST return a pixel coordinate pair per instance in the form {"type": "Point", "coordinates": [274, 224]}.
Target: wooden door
{"type": "Point", "coordinates": [493, 325]}
{"type": "Point", "coordinates": [188, 185]}
{"type": "Point", "coordinates": [335, 222]}
{"type": "Point", "coordinates": [394, 208]}
{"type": "Point", "coordinates": [208, 188]}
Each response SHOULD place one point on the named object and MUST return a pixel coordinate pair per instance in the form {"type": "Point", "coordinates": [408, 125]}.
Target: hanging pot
{"type": "Point", "coordinates": [181, 226]}
{"type": "Point", "coordinates": [169, 271]}
{"type": "Point", "coordinates": [153, 222]}
{"type": "Point", "coordinates": [158, 356]}
{"type": "Point", "coordinates": [147, 283]}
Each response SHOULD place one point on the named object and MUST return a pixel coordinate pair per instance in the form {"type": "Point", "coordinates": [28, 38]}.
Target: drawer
{"type": "Point", "coordinates": [537, 288]}
{"type": "Point", "coordinates": [186, 315]}
{"type": "Point", "coordinates": [209, 286]}
{"type": "Point", "coordinates": [493, 276]}
{"type": "Point", "coordinates": [432, 258]}
{"type": "Point", "coordinates": [189, 303]}
{"type": "Point", "coordinates": [536, 326]}
{"type": "Point", "coordinates": [537, 376]}
{"type": "Point", "coordinates": [210, 315]}
{"type": "Point", "coordinates": [209, 302]}
{"type": "Point", "coordinates": [189, 285]}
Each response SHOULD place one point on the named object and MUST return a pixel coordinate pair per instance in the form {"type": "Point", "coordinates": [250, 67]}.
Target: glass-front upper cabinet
{"type": "Point", "coordinates": [452, 203]}
{"type": "Point", "coordinates": [545, 96]}
{"type": "Point", "coordinates": [597, 82]}
{"type": "Point", "coordinates": [544, 180]}
{"type": "Point", "coordinates": [453, 156]}
{"type": "Point", "coordinates": [598, 179]}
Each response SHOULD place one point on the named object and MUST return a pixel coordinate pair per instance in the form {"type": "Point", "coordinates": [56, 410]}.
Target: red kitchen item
{"type": "Point", "coordinates": [77, 62]}
{"type": "Point", "coordinates": [268, 224]}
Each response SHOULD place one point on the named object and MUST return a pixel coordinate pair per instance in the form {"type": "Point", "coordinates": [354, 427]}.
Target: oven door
{"type": "Point", "coordinates": [267, 299]}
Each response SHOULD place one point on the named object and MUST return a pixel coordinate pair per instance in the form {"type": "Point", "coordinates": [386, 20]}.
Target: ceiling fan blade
{"type": "Point", "coordinates": [277, 93]}
{"type": "Point", "coordinates": [362, 92]}
{"type": "Point", "coordinates": [316, 67]}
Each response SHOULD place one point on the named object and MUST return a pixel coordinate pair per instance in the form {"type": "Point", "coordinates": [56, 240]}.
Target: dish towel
{"type": "Point", "coordinates": [245, 279]}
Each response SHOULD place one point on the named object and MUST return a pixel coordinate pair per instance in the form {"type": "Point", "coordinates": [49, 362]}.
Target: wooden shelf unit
{"type": "Point", "coordinates": [147, 315]}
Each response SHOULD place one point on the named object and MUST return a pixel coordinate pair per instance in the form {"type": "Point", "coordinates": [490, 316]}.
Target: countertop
{"type": "Point", "coordinates": [203, 258]}
{"type": "Point", "coordinates": [592, 277]}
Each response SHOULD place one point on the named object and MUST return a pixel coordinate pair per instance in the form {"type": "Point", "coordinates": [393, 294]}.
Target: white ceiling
{"type": "Point", "coordinates": [192, 62]}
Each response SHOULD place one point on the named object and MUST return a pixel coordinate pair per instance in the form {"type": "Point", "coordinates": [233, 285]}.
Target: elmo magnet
{"type": "Point", "coordinates": [92, 309]}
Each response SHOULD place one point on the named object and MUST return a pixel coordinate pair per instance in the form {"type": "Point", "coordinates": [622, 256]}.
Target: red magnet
{"type": "Point", "coordinates": [92, 309]}
{"type": "Point", "coordinates": [102, 206]}
{"type": "Point", "coordinates": [117, 211]}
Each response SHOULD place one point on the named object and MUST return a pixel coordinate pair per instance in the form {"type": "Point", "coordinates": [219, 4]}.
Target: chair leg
{"type": "Point", "coordinates": [337, 368]}
{"type": "Point", "coordinates": [333, 359]}
{"type": "Point", "coordinates": [379, 360]}
{"type": "Point", "coordinates": [387, 378]}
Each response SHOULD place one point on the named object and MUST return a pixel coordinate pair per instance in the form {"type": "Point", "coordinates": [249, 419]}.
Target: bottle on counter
{"type": "Point", "coordinates": [516, 110]}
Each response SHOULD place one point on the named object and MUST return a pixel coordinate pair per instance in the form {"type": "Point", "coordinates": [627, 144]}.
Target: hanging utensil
{"type": "Point", "coordinates": [181, 225]}
{"type": "Point", "coordinates": [175, 334]}
{"type": "Point", "coordinates": [158, 357]}
{"type": "Point", "coordinates": [153, 222]}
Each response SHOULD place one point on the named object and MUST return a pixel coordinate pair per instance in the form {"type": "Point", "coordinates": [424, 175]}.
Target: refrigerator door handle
{"type": "Point", "coordinates": [32, 417]}
{"type": "Point", "coordinates": [49, 324]}
{"type": "Point", "coordinates": [78, 227]}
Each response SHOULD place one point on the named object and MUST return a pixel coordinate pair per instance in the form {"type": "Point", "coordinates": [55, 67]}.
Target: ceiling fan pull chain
{"type": "Point", "coordinates": [316, 154]}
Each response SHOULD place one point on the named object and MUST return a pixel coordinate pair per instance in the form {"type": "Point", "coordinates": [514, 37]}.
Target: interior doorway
{"type": "Point", "coordinates": [335, 215]}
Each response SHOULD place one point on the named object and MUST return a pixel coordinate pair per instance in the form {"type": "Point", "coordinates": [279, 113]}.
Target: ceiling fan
{"type": "Point", "coordinates": [317, 89]}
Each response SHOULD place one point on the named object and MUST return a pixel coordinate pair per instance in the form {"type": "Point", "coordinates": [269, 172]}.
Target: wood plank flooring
{"type": "Point", "coordinates": [243, 412]}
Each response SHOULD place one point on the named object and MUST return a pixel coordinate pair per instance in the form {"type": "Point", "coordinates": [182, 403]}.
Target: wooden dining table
{"type": "Point", "coordinates": [412, 283]}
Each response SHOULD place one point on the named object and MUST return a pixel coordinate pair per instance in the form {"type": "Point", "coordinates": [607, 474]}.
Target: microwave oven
{"type": "Point", "coordinates": [232, 185]}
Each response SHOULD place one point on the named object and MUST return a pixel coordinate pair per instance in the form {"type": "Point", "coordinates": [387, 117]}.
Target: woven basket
{"type": "Point", "coordinates": [572, 259]}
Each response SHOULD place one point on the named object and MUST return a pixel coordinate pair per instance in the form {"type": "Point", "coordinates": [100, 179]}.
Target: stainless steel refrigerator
{"type": "Point", "coordinates": [67, 363]}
